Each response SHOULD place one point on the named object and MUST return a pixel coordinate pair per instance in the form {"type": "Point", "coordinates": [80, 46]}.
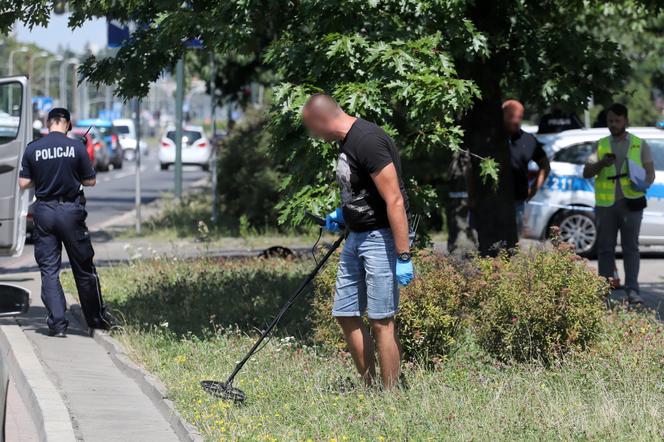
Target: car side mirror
{"type": "Point", "coordinates": [14, 300]}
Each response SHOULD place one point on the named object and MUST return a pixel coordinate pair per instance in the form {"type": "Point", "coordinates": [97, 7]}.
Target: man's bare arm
{"type": "Point", "coordinates": [25, 183]}
{"type": "Point", "coordinates": [542, 174]}
{"type": "Point", "coordinates": [387, 183]}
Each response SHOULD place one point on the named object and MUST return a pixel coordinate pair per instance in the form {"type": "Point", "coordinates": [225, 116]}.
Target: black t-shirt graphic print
{"type": "Point", "coordinates": [367, 149]}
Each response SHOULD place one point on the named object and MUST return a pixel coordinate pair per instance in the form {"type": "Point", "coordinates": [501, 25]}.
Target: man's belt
{"type": "Point", "coordinates": [59, 199]}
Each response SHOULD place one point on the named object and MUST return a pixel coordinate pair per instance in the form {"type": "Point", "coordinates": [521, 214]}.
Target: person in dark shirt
{"type": "Point", "coordinates": [491, 202]}
{"type": "Point", "coordinates": [376, 256]}
{"type": "Point", "coordinates": [58, 168]}
{"type": "Point", "coordinates": [524, 148]}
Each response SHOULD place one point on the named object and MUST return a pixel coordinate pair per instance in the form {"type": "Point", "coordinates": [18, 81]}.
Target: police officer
{"type": "Point", "coordinates": [58, 168]}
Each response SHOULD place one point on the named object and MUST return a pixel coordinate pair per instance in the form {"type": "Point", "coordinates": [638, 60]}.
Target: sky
{"type": "Point", "coordinates": [58, 34]}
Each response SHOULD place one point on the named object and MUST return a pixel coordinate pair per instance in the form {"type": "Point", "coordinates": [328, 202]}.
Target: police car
{"type": "Point", "coordinates": [567, 199]}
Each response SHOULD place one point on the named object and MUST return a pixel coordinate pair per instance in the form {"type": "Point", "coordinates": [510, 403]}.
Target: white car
{"type": "Point", "coordinates": [567, 199]}
{"type": "Point", "coordinates": [196, 148]}
{"type": "Point", "coordinates": [126, 131]}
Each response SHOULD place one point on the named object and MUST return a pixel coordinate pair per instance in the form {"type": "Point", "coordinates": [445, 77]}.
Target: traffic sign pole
{"type": "Point", "coordinates": [137, 125]}
{"type": "Point", "coordinates": [179, 98]}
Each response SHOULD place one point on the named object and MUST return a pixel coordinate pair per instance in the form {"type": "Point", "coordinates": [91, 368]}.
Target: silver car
{"type": "Point", "coordinates": [567, 199]}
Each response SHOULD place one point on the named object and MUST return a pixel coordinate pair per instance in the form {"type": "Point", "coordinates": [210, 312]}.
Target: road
{"type": "Point", "coordinates": [114, 194]}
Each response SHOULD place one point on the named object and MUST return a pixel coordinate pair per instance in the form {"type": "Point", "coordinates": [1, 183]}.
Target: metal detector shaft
{"type": "Point", "coordinates": [286, 306]}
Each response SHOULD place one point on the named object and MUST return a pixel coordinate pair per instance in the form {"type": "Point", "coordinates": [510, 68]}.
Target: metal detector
{"type": "Point", "coordinates": [225, 390]}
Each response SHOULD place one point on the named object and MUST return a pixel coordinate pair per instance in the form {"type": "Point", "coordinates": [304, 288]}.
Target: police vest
{"type": "Point", "coordinates": [605, 188]}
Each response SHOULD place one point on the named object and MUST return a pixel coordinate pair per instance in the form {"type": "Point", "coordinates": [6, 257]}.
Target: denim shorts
{"type": "Point", "coordinates": [366, 278]}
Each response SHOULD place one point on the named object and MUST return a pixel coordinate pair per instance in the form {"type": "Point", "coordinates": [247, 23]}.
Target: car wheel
{"type": "Point", "coordinates": [164, 166]}
{"type": "Point", "coordinates": [578, 229]}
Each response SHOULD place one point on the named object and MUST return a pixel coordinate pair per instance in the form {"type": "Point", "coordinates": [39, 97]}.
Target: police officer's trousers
{"type": "Point", "coordinates": [58, 223]}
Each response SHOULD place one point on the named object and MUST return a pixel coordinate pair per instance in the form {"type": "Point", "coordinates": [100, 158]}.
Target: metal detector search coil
{"type": "Point", "coordinates": [225, 390]}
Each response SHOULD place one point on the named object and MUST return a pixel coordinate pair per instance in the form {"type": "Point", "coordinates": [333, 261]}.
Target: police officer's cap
{"type": "Point", "coordinates": [59, 112]}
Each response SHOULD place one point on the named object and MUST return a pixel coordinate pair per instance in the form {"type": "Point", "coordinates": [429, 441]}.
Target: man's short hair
{"type": "Point", "coordinates": [56, 114]}
{"type": "Point", "coordinates": [322, 102]}
{"type": "Point", "coordinates": [618, 109]}
{"type": "Point", "coordinates": [512, 104]}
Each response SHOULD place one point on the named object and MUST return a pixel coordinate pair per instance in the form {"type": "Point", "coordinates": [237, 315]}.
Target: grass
{"type": "Point", "coordinates": [613, 391]}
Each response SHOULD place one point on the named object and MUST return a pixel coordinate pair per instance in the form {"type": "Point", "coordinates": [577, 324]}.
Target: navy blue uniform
{"type": "Point", "coordinates": [57, 165]}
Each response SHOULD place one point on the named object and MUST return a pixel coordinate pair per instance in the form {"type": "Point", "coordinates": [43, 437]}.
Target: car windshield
{"type": "Point", "coordinates": [190, 135]}
{"type": "Point", "coordinates": [579, 153]}
{"type": "Point", "coordinates": [657, 149]}
{"type": "Point", "coordinates": [575, 154]}
{"type": "Point", "coordinates": [123, 130]}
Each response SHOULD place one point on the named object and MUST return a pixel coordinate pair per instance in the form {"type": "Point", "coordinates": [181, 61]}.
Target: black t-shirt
{"type": "Point", "coordinates": [56, 165]}
{"type": "Point", "coordinates": [367, 149]}
{"type": "Point", "coordinates": [523, 148]}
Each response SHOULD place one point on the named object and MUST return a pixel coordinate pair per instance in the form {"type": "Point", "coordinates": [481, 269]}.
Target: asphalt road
{"type": "Point", "coordinates": [114, 193]}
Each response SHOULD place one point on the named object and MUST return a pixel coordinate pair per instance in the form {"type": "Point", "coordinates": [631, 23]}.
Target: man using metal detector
{"type": "Point", "coordinates": [376, 256]}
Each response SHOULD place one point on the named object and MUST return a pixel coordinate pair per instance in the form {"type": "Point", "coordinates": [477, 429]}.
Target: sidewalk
{"type": "Point", "coordinates": [104, 403]}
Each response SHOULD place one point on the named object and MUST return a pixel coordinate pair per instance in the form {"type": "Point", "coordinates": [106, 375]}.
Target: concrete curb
{"type": "Point", "coordinates": [46, 407]}
{"type": "Point", "coordinates": [149, 384]}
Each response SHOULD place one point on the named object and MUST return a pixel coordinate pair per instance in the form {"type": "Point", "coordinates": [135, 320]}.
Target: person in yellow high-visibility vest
{"type": "Point", "coordinates": [619, 200]}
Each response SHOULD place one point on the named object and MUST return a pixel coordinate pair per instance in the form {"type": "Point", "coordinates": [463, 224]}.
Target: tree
{"type": "Point", "coordinates": [432, 72]}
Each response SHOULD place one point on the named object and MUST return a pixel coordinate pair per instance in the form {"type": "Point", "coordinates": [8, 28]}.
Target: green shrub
{"type": "Point", "coordinates": [249, 175]}
{"type": "Point", "coordinates": [430, 315]}
{"type": "Point", "coordinates": [536, 305]}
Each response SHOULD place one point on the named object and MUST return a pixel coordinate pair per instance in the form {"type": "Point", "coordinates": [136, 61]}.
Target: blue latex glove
{"type": "Point", "coordinates": [334, 221]}
{"type": "Point", "coordinates": [640, 185]}
{"type": "Point", "coordinates": [405, 271]}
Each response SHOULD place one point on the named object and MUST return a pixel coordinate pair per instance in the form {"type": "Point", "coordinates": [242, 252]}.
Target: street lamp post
{"type": "Point", "coordinates": [11, 59]}
{"type": "Point", "coordinates": [47, 75]}
{"type": "Point", "coordinates": [63, 80]}
{"type": "Point", "coordinates": [32, 61]}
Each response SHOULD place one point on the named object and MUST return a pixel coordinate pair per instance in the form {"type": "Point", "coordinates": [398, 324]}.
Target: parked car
{"type": "Point", "coordinates": [127, 132]}
{"type": "Point", "coordinates": [109, 135]}
{"type": "Point", "coordinates": [97, 148]}
{"type": "Point", "coordinates": [78, 133]}
{"type": "Point", "coordinates": [567, 199]}
{"type": "Point", "coordinates": [196, 148]}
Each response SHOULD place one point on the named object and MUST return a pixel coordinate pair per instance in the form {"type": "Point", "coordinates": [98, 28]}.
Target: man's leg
{"type": "Point", "coordinates": [48, 254]}
{"type": "Point", "coordinates": [78, 244]}
{"type": "Point", "coordinates": [629, 240]}
{"type": "Point", "coordinates": [349, 303]}
{"type": "Point", "coordinates": [520, 211]}
{"type": "Point", "coordinates": [360, 346]}
{"type": "Point", "coordinates": [389, 350]}
{"type": "Point", "coordinates": [607, 235]}
{"type": "Point", "coordinates": [379, 255]}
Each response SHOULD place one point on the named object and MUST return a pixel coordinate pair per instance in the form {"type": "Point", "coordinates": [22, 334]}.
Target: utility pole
{"type": "Point", "coordinates": [215, 147]}
{"type": "Point", "coordinates": [179, 98]}
{"type": "Point", "coordinates": [137, 124]}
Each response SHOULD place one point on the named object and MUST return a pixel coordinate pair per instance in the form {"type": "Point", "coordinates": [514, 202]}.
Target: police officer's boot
{"type": "Point", "coordinates": [62, 333]}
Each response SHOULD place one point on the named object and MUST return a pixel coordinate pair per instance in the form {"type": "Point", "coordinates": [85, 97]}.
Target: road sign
{"type": "Point", "coordinates": [118, 33]}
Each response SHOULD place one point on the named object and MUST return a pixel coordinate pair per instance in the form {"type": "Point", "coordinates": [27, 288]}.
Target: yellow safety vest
{"type": "Point", "coordinates": [605, 189]}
